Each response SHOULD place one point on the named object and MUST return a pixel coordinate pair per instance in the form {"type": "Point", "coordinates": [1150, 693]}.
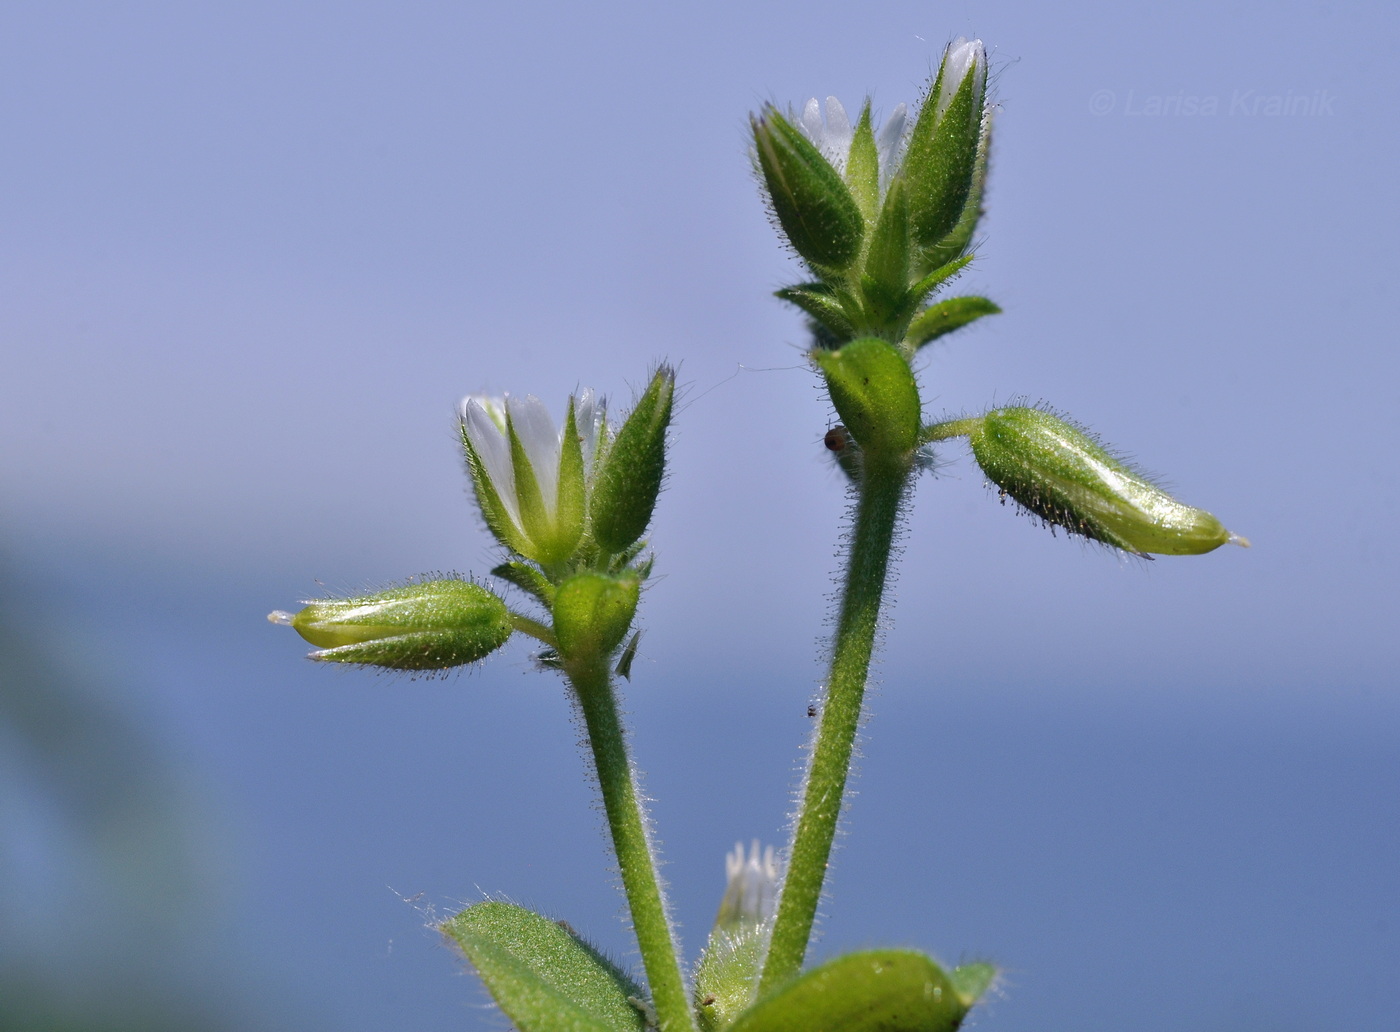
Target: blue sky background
{"type": "Point", "coordinates": [251, 255]}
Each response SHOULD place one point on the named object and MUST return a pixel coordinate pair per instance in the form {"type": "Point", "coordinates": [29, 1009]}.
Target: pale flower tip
{"type": "Point", "coordinates": [281, 617]}
{"type": "Point", "coordinates": [1238, 539]}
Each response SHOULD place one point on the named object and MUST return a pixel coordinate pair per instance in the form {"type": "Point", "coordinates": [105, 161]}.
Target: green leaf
{"type": "Point", "coordinates": [945, 317]}
{"type": "Point", "coordinates": [875, 991]}
{"type": "Point", "coordinates": [863, 166]}
{"type": "Point", "coordinates": [822, 306]}
{"type": "Point", "coordinates": [542, 975]}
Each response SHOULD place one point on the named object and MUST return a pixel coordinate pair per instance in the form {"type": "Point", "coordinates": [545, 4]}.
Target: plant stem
{"type": "Point", "coordinates": [881, 492]}
{"type": "Point", "coordinates": [627, 821]}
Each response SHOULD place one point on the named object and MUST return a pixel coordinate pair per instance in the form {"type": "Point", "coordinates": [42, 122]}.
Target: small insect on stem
{"type": "Point", "coordinates": [837, 439]}
{"type": "Point", "coordinates": [812, 710]}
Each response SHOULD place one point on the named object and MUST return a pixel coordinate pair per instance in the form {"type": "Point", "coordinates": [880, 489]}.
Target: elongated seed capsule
{"type": "Point", "coordinates": [429, 625]}
{"type": "Point", "coordinates": [1059, 473]}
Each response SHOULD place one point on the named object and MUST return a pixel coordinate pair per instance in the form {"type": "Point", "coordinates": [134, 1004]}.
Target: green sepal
{"type": "Point", "coordinates": [810, 199]}
{"type": "Point", "coordinates": [1060, 473]}
{"type": "Point", "coordinates": [941, 159]}
{"type": "Point", "coordinates": [498, 519]}
{"type": "Point", "coordinates": [818, 302]}
{"type": "Point", "coordinates": [885, 280]}
{"type": "Point", "coordinates": [428, 625]}
{"type": "Point", "coordinates": [931, 281]}
{"type": "Point", "coordinates": [623, 669]}
{"type": "Point", "coordinates": [626, 486]}
{"type": "Point", "coordinates": [527, 579]}
{"type": "Point", "coordinates": [593, 613]}
{"type": "Point", "coordinates": [570, 511]}
{"type": "Point", "coordinates": [959, 239]}
{"type": "Point", "coordinates": [875, 395]}
{"type": "Point", "coordinates": [972, 980]}
{"type": "Point", "coordinates": [534, 518]}
{"type": "Point", "coordinates": [873, 991]}
{"type": "Point", "coordinates": [727, 974]}
{"type": "Point", "coordinates": [863, 166]}
{"type": "Point", "coordinates": [945, 317]}
{"type": "Point", "coordinates": [544, 976]}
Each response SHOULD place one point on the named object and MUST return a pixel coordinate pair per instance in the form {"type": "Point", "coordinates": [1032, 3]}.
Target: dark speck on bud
{"type": "Point", "coordinates": [427, 625]}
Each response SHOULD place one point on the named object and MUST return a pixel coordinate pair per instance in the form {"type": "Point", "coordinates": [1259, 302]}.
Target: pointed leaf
{"type": "Point", "coordinates": [945, 317]}
{"type": "Point", "coordinates": [542, 975]}
{"type": "Point", "coordinates": [875, 991]}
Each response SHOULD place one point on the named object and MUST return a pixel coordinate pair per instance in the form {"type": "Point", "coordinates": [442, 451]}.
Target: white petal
{"type": "Point", "coordinates": [961, 55]}
{"type": "Point", "coordinates": [540, 437]}
{"type": "Point", "coordinates": [811, 121]}
{"type": "Point", "coordinates": [489, 440]}
{"type": "Point", "coordinates": [590, 411]}
{"type": "Point", "coordinates": [890, 141]}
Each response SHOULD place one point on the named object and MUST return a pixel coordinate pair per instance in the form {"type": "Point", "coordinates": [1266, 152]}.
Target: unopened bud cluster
{"type": "Point", "coordinates": [882, 217]}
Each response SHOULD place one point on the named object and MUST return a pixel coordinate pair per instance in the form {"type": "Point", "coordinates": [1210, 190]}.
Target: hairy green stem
{"type": "Point", "coordinates": [627, 821]}
{"type": "Point", "coordinates": [881, 492]}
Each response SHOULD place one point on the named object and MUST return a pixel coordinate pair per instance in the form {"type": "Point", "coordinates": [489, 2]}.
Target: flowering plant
{"type": "Point", "coordinates": [883, 220]}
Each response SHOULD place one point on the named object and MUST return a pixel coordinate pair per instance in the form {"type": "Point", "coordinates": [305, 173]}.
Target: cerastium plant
{"type": "Point", "coordinates": [883, 218]}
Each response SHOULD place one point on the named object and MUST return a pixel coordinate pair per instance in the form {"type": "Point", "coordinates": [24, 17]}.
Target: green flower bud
{"type": "Point", "coordinates": [624, 490]}
{"type": "Point", "coordinates": [431, 625]}
{"type": "Point", "coordinates": [593, 612]}
{"type": "Point", "coordinates": [941, 162]}
{"type": "Point", "coordinates": [874, 392]}
{"type": "Point", "coordinates": [811, 201]}
{"type": "Point", "coordinates": [1058, 472]}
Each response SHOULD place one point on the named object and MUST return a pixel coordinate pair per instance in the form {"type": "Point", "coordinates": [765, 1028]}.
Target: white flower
{"type": "Point", "coordinates": [487, 424]}
{"type": "Point", "coordinates": [832, 135]}
{"type": "Point", "coordinates": [751, 895]}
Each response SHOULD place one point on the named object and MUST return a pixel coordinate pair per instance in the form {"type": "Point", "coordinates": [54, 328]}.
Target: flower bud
{"type": "Point", "coordinates": [810, 199]}
{"type": "Point", "coordinates": [1058, 472]}
{"type": "Point", "coordinates": [431, 625]}
{"type": "Point", "coordinates": [940, 164]}
{"type": "Point", "coordinates": [529, 474]}
{"type": "Point", "coordinates": [624, 491]}
{"type": "Point", "coordinates": [874, 392]}
{"type": "Point", "coordinates": [593, 612]}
